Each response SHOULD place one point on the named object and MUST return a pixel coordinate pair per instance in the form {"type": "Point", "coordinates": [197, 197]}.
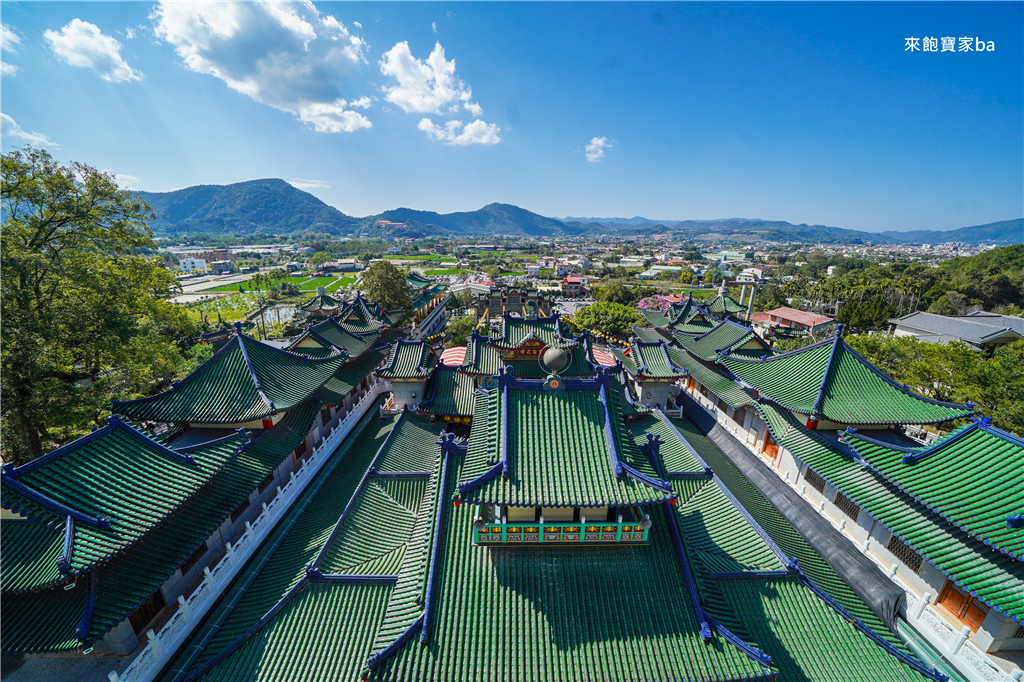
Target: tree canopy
{"type": "Point", "coordinates": [86, 315]}
{"type": "Point", "coordinates": [387, 285]}
{"type": "Point", "coordinates": [609, 318]}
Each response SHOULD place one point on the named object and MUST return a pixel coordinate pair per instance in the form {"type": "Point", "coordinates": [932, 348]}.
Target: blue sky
{"type": "Point", "coordinates": [807, 112]}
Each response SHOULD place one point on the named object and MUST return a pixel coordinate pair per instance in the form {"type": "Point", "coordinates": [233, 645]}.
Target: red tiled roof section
{"type": "Point", "coordinates": [798, 316]}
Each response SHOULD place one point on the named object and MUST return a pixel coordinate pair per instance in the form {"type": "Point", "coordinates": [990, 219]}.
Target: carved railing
{"type": "Point", "coordinates": [164, 644]}
{"type": "Point", "coordinates": [563, 532]}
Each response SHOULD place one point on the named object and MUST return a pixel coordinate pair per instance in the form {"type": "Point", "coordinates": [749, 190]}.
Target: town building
{"type": "Point", "coordinates": [574, 286]}
{"type": "Point", "coordinates": [790, 323]}
{"type": "Point", "coordinates": [190, 264]}
{"type": "Point", "coordinates": [980, 330]}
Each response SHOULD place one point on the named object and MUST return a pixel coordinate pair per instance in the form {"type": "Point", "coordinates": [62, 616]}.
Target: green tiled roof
{"type": "Point", "coordinates": [722, 304]}
{"type": "Point", "coordinates": [986, 573]}
{"type": "Point", "coordinates": [515, 330]}
{"type": "Point", "coordinates": [832, 381]}
{"type": "Point", "coordinates": [418, 281]}
{"type": "Point", "coordinates": [675, 456]}
{"type": "Point", "coordinates": [713, 377]}
{"type": "Point", "coordinates": [972, 478]}
{"type": "Point", "coordinates": [648, 334]}
{"type": "Point", "coordinates": [481, 357]}
{"type": "Point", "coordinates": [296, 542]}
{"type": "Point", "coordinates": [656, 317]}
{"type": "Point", "coordinates": [648, 361]}
{"type": "Point", "coordinates": [581, 364]}
{"type": "Point", "coordinates": [697, 324]}
{"type": "Point", "coordinates": [450, 393]}
{"type": "Point", "coordinates": [329, 334]}
{"type": "Point", "coordinates": [558, 451]}
{"type": "Point", "coordinates": [243, 381]}
{"type": "Point", "coordinates": [721, 340]}
{"type": "Point", "coordinates": [30, 555]}
{"type": "Point", "coordinates": [409, 360]}
{"type": "Point", "coordinates": [362, 316]}
{"type": "Point", "coordinates": [427, 294]}
{"type": "Point", "coordinates": [319, 302]}
{"type": "Point", "coordinates": [117, 474]}
{"type": "Point", "coordinates": [136, 571]}
{"type": "Point", "coordinates": [348, 376]}
{"type": "Point", "coordinates": [43, 621]}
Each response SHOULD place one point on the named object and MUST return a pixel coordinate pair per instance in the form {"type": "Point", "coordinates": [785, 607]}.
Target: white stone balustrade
{"type": "Point", "coordinates": [163, 645]}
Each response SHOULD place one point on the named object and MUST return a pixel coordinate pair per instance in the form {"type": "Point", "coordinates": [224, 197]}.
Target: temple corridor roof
{"type": "Point", "coordinates": [243, 381]}
{"type": "Point", "coordinates": [832, 381]}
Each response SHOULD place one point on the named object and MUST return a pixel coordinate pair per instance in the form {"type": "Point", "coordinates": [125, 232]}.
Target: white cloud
{"type": "Point", "coordinates": [123, 180]}
{"type": "Point", "coordinates": [10, 129]}
{"type": "Point", "coordinates": [425, 86]}
{"type": "Point", "coordinates": [595, 150]}
{"type": "Point", "coordinates": [454, 133]}
{"type": "Point", "coordinates": [308, 184]}
{"type": "Point", "coordinates": [285, 55]}
{"type": "Point", "coordinates": [9, 42]}
{"type": "Point", "coordinates": [83, 44]}
{"type": "Point", "coordinates": [433, 25]}
{"type": "Point", "coordinates": [129, 32]}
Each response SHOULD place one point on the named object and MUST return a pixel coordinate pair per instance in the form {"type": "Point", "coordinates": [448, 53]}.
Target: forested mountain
{"type": "Point", "coordinates": [271, 206]}
{"type": "Point", "coordinates": [276, 207]}
{"type": "Point", "coordinates": [1003, 232]}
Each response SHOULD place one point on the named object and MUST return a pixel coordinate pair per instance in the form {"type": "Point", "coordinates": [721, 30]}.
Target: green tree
{"type": "Point", "coordinates": [387, 285]}
{"type": "Point", "coordinates": [319, 258]}
{"type": "Point", "coordinates": [460, 329]}
{"type": "Point", "coordinates": [85, 315]}
{"type": "Point", "coordinates": [713, 276]}
{"type": "Point", "coordinates": [686, 276]}
{"type": "Point", "coordinates": [609, 318]}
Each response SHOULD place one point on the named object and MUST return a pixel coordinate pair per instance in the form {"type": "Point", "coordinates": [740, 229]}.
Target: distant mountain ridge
{"type": "Point", "coordinates": [271, 205]}
{"type": "Point", "coordinates": [274, 206]}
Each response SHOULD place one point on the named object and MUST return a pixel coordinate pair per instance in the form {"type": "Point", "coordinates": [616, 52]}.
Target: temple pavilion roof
{"type": "Point", "coordinates": [362, 316]}
{"type": "Point", "coordinates": [418, 281]}
{"type": "Point", "coordinates": [516, 330]}
{"type": "Point", "coordinates": [243, 381]}
{"type": "Point", "coordinates": [484, 359]}
{"type": "Point", "coordinates": [409, 360]}
{"type": "Point", "coordinates": [649, 360]}
{"type": "Point", "coordinates": [320, 301]}
{"type": "Point", "coordinates": [329, 336]}
{"type": "Point", "coordinates": [449, 393]}
{"type": "Point", "coordinates": [425, 295]}
{"type": "Point", "coordinates": [727, 338]}
{"type": "Point", "coordinates": [159, 508]}
{"type": "Point", "coordinates": [831, 381]}
{"type": "Point", "coordinates": [565, 447]}
{"type": "Point", "coordinates": [723, 304]}
{"type": "Point", "coordinates": [972, 478]}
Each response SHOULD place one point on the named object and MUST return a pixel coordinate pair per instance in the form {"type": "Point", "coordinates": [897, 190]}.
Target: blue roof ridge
{"type": "Point", "coordinates": [252, 370]}
{"type": "Point", "coordinates": [969, 407]}
{"type": "Point", "coordinates": [836, 340]}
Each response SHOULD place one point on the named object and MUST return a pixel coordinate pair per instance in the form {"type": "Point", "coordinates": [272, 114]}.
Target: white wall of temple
{"type": "Point", "coordinates": [407, 392]}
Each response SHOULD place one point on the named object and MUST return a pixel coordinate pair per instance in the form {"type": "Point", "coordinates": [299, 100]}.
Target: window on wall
{"type": "Point", "coordinates": [847, 506]}
{"type": "Point", "coordinates": [740, 416]}
{"type": "Point", "coordinates": [968, 610]}
{"type": "Point", "coordinates": [905, 554]}
{"type": "Point", "coordinates": [814, 480]}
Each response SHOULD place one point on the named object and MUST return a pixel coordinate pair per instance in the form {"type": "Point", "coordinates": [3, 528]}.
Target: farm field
{"type": "Point", "coordinates": [340, 283]}
{"type": "Point", "coordinates": [443, 271]}
{"type": "Point", "coordinates": [312, 284]}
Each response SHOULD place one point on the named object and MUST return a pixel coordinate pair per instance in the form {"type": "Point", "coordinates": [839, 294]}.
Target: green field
{"type": "Point", "coordinates": [312, 284]}
{"type": "Point", "coordinates": [341, 283]}
{"type": "Point", "coordinates": [448, 271]}
{"type": "Point", "coordinates": [511, 274]}
{"type": "Point", "coordinates": [401, 257]}
{"type": "Point", "coordinates": [227, 287]}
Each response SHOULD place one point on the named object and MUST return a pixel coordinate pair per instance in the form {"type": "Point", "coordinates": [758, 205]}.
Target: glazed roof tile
{"type": "Point", "coordinates": [243, 381]}
{"type": "Point", "coordinates": [713, 377]}
{"type": "Point", "coordinates": [337, 335]}
{"type": "Point", "coordinates": [648, 361]}
{"type": "Point", "coordinates": [481, 358]}
{"type": "Point", "coordinates": [116, 474]}
{"type": "Point", "coordinates": [834, 382]}
{"type": "Point", "coordinates": [338, 387]}
{"type": "Point", "coordinates": [993, 577]}
{"type": "Point", "coordinates": [648, 334]}
{"type": "Point", "coordinates": [723, 339]}
{"type": "Point", "coordinates": [515, 330]}
{"type": "Point", "coordinates": [722, 304]}
{"type": "Point", "coordinates": [409, 360]}
{"type": "Point", "coordinates": [557, 450]}
{"type": "Point", "coordinates": [450, 393]}
{"type": "Point", "coordinates": [320, 301]}
{"type": "Point", "coordinates": [972, 478]}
